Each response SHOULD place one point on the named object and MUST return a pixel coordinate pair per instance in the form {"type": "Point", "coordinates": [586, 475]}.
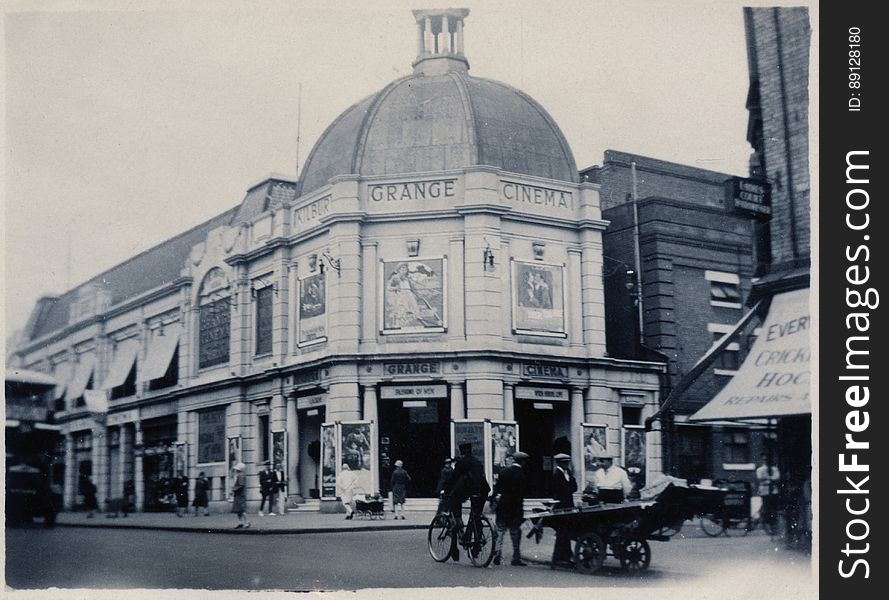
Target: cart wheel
{"type": "Point", "coordinates": [712, 525]}
{"type": "Point", "coordinates": [373, 516]}
{"type": "Point", "coordinates": [439, 538]}
{"type": "Point", "coordinates": [635, 555]}
{"type": "Point", "coordinates": [589, 552]}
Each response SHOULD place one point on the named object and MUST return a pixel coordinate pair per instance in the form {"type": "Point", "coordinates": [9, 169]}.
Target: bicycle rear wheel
{"type": "Point", "coordinates": [439, 538]}
{"type": "Point", "coordinates": [481, 543]}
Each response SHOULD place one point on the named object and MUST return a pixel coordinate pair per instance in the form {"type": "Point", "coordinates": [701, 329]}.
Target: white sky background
{"type": "Point", "coordinates": [126, 128]}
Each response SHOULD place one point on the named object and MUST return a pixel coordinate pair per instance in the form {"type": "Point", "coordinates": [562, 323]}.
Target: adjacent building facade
{"type": "Point", "coordinates": [437, 266]}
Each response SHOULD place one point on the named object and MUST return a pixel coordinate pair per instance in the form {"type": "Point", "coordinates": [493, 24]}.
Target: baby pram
{"type": "Point", "coordinates": [369, 506]}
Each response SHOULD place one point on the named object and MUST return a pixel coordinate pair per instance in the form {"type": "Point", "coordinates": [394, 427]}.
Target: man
{"type": "Point", "coordinates": [266, 487]}
{"type": "Point", "coordinates": [281, 483]}
{"type": "Point", "coordinates": [767, 479]}
{"type": "Point", "coordinates": [563, 485]}
{"type": "Point", "coordinates": [613, 482]}
{"type": "Point", "coordinates": [509, 496]}
{"type": "Point", "coordinates": [469, 484]}
{"type": "Point", "coordinates": [445, 484]}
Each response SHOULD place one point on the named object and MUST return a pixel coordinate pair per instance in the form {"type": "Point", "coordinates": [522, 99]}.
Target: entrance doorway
{"type": "Point", "coordinates": [540, 424]}
{"type": "Point", "coordinates": [309, 451]}
{"type": "Point", "coordinates": [418, 433]}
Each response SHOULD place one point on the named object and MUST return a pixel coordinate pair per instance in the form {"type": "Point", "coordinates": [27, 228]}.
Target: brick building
{"type": "Point", "coordinates": [697, 258]}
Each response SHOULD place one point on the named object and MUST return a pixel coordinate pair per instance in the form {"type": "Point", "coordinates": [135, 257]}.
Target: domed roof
{"type": "Point", "coordinates": [433, 122]}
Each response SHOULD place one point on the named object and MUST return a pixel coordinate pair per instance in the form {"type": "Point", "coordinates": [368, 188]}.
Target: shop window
{"type": "Point", "coordinates": [725, 289]}
{"type": "Point", "coordinates": [736, 447]}
{"type": "Point", "coordinates": [729, 360]}
{"type": "Point", "coordinates": [171, 376]}
{"type": "Point", "coordinates": [211, 435]}
{"type": "Point", "coordinates": [215, 333]}
{"type": "Point", "coordinates": [264, 311]}
{"type": "Point", "coordinates": [128, 387]}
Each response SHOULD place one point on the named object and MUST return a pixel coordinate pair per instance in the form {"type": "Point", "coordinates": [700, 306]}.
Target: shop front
{"type": "Point", "coordinates": [414, 428]}
{"type": "Point", "coordinates": [158, 438]}
{"type": "Point", "coordinates": [311, 410]}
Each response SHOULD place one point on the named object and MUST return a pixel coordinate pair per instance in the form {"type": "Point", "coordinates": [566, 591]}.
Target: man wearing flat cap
{"type": "Point", "coordinates": [563, 485]}
{"type": "Point", "coordinates": [613, 482]}
{"type": "Point", "coordinates": [509, 496]}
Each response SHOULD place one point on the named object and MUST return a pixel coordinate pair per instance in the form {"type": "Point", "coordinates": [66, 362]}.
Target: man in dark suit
{"type": "Point", "coordinates": [509, 496]}
{"type": "Point", "coordinates": [470, 484]}
{"type": "Point", "coordinates": [563, 486]}
{"type": "Point", "coordinates": [266, 487]}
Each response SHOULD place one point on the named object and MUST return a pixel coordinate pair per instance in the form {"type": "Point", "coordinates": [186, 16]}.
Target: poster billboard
{"type": "Point", "coordinates": [634, 454]}
{"type": "Point", "coordinates": [233, 457]}
{"type": "Point", "coordinates": [328, 461]}
{"type": "Point", "coordinates": [356, 452]}
{"type": "Point", "coordinates": [594, 438]}
{"type": "Point", "coordinates": [414, 295]}
{"type": "Point", "coordinates": [504, 443]}
{"type": "Point", "coordinates": [538, 298]}
{"type": "Point", "coordinates": [180, 459]}
{"type": "Point", "coordinates": [312, 310]}
{"type": "Point", "coordinates": [279, 450]}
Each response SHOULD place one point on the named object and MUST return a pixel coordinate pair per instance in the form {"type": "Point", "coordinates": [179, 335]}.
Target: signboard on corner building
{"type": "Point", "coordinates": [748, 197]}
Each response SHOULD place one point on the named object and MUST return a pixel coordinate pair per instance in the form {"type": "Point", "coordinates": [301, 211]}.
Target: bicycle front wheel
{"type": "Point", "coordinates": [481, 543]}
{"type": "Point", "coordinates": [439, 538]}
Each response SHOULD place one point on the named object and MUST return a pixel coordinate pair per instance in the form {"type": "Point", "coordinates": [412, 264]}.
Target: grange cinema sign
{"type": "Point", "coordinates": [412, 190]}
{"type": "Point", "coordinates": [533, 195]}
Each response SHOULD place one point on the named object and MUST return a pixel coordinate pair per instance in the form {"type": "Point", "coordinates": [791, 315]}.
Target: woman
{"type": "Point", "coordinates": [345, 484]}
{"type": "Point", "coordinates": [239, 496]}
{"type": "Point", "coordinates": [201, 489]}
{"type": "Point", "coordinates": [398, 485]}
{"type": "Point", "coordinates": [88, 489]}
{"type": "Point", "coordinates": [181, 496]}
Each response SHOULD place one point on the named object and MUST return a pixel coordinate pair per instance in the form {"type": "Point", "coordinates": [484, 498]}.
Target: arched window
{"type": "Point", "coordinates": [214, 320]}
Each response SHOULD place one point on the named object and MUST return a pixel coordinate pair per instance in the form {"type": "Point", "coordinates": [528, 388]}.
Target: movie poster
{"type": "Point", "coordinates": [355, 438]}
{"type": "Point", "coordinates": [279, 450]}
{"type": "Point", "coordinates": [471, 432]}
{"type": "Point", "coordinates": [233, 457]}
{"type": "Point", "coordinates": [328, 461]}
{"type": "Point", "coordinates": [538, 299]}
{"type": "Point", "coordinates": [180, 459]}
{"type": "Point", "coordinates": [414, 295]}
{"type": "Point", "coordinates": [634, 455]}
{"type": "Point", "coordinates": [504, 443]}
{"type": "Point", "coordinates": [312, 313]}
{"type": "Point", "coordinates": [595, 444]}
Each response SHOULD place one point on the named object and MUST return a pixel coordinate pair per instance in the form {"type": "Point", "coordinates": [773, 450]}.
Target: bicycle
{"type": "Point", "coordinates": [477, 537]}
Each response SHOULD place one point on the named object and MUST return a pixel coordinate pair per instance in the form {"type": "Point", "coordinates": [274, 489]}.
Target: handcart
{"type": "Point", "coordinates": [621, 530]}
{"type": "Point", "coordinates": [370, 506]}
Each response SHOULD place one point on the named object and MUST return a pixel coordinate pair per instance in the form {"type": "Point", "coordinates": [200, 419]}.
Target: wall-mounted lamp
{"type": "Point", "coordinates": [333, 263]}
{"type": "Point", "coordinates": [488, 258]}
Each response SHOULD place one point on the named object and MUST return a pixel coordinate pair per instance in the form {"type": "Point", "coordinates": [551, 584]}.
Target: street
{"type": "Point", "coordinates": [98, 558]}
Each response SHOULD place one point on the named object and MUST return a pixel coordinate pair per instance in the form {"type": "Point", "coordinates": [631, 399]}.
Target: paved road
{"type": "Point", "coordinates": [117, 558]}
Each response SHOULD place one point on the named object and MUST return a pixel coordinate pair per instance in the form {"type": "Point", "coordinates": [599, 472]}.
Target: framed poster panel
{"type": "Point", "coordinates": [311, 320]}
{"type": "Point", "coordinates": [329, 460]}
{"type": "Point", "coordinates": [538, 298]}
{"type": "Point", "coordinates": [414, 295]}
{"type": "Point", "coordinates": [357, 452]}
{"type": "Point", "coordinates": [180, 459]}
{"type": "Point", "coordinates": [279, 450]}
{"type": "Point", "coordinates": [475, 432]}
{"type": "Point", "coordinates": [233, 457]}
{"type": "Point", "coordinates": [594, 440]}
{"type": "Point", "coordinates": [504, 438]}
{"type": "Point", "coordinates": [634, 454]}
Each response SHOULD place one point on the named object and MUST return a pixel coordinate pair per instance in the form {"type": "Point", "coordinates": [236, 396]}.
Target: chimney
{"type": "Point", "coordinates": [440, 41]}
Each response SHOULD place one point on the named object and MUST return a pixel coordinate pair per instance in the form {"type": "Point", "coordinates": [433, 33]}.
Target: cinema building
{"type": "Point", "coordinates": [433, 275]}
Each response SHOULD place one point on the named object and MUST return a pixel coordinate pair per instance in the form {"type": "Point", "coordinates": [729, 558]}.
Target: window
{"type": "Point", "coordinates": [264, 311]}
{"type": "Point", "coordinates": [211, 435]}
{"type": "Point", "coordinates": [215, 333]}
{"type": "Point", "coordinates": [80, 400]}
{"type": "Point", "coordinates": [736, 447]}
{"type": "Point", "coordinates": [128, 388]}
{"type": "Point", "coordinates": [171, 376]}
{"type": "Point", "coordinates": [263, 438]}
{"type": "Point", "coordinates": [725, 289]}
{"type": "Point", "coordinates": [729, 359]}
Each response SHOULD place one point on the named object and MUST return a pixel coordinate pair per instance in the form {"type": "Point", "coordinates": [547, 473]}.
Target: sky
{"type": "Point", "coordinates": [128, 123]}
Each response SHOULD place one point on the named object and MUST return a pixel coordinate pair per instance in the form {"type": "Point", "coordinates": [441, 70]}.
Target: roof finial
{"type": "Point", "coordinates": [440, 41]}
